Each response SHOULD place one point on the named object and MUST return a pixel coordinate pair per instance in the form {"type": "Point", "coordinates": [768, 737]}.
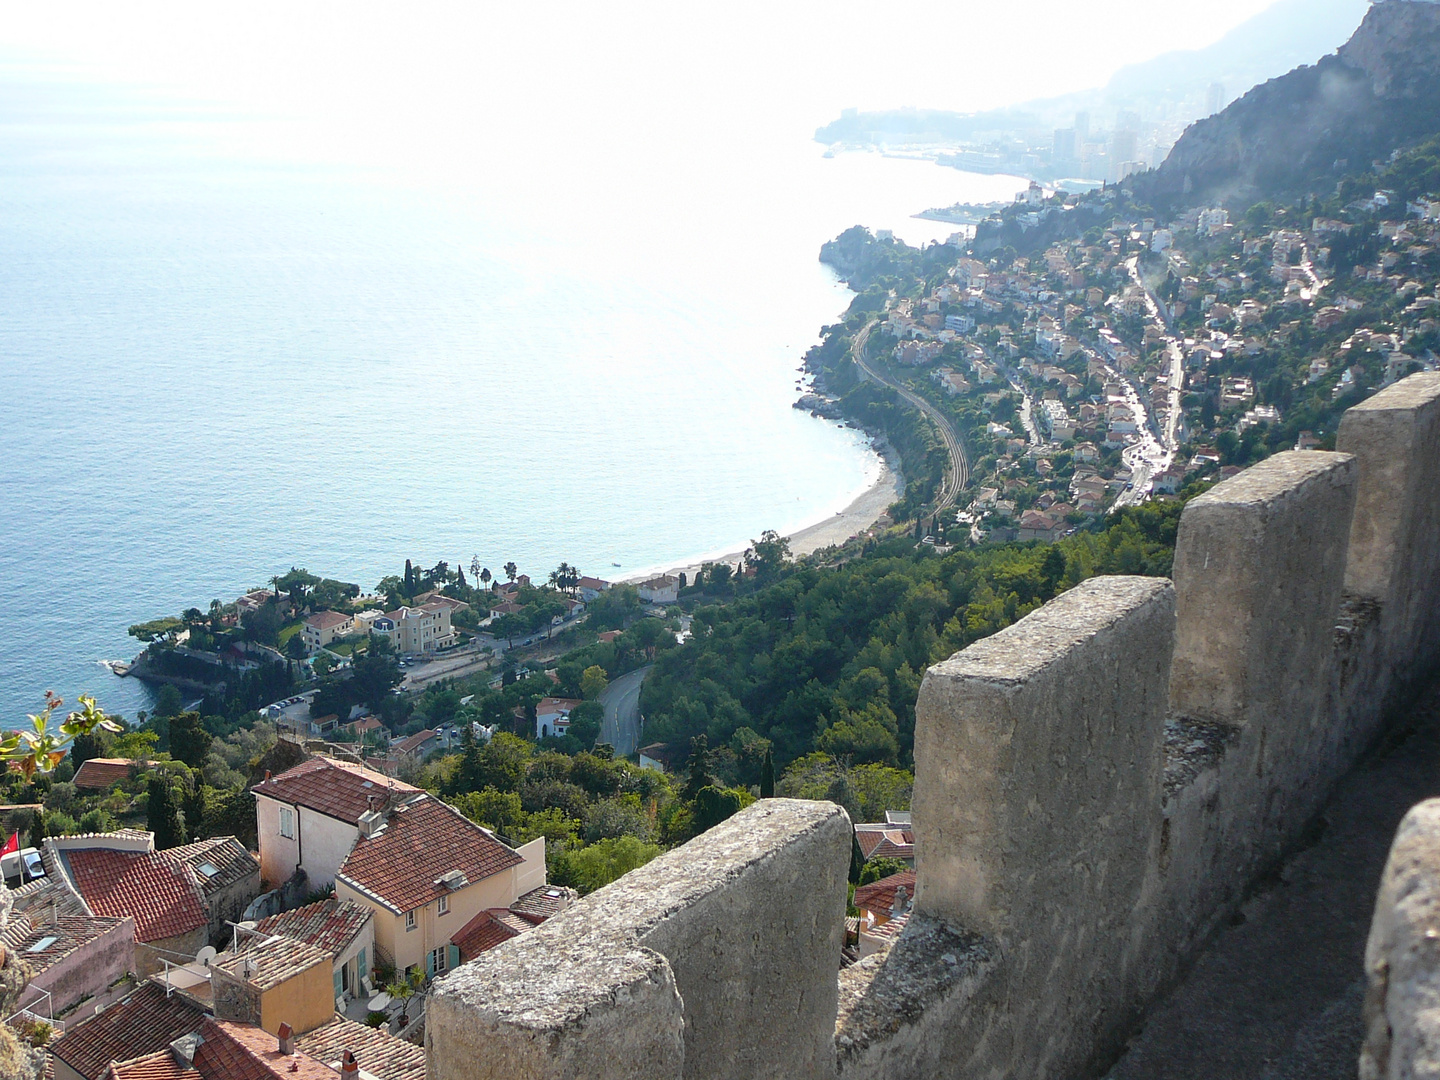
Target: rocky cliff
{"type": "Point", "coordinates": [1308, 128]}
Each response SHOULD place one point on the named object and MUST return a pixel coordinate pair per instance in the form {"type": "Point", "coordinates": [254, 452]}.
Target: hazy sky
{"type": "Point", "coordinates": [815, 54]}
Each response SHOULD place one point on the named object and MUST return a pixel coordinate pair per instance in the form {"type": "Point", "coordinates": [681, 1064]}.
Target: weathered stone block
{"type": "Point", "coordinates": [1402, 957]}
{"type": "Point", "coordinates": [1259, 570]}
{"type": "Point", "coordinates": [1037, 824]}
{"type": "Point", "coordinates": [718, 959]}
{"type": "Point", "coordinates": [1038, 758]}
{"type": "Point", "coordinates": [1395, 534]}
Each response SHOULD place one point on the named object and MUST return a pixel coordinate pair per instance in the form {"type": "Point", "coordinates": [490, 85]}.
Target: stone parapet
{"type": "Point", "coordinates": [717, 959]}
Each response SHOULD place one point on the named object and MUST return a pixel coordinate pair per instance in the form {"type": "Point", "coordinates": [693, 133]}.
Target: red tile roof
{"type": "Point", "coordinates": [894, 843]}
{"type": "Point", "coordinates": [161, 1065]}
{"type": "Point", "coordinates": [422, 841]}
{"type": "Point", "coordinates": [323, 620]}
{"type": "Point", "coordinates": [162, 894]}
{"type": "Point", "coordinates": [265, 963]}
{"type": "Point", "coordinates": [242, 1052]}
{"type": "Point", "coordinates": [335, 788]}
{"type": "Point", "coordinates": [136, 1026]}
{"type": "Point", "coordinates": [100, 774]}
{"type": "Point", "coordinates": [62, 936]}
{"type": "Point", "coordinates": [218, 863]}
{"type": "Point", "coordinates": [329, 925]}
{"type": "Point", "coordinates": [537, 905]}
{"type": "Point", "coordinates": [377, 1053]}
{"type": "Point", "coordinates": [413, 742]}
{"type": "Point", "coordinates": [481, 934]}
{"type": "Point", "coordinates": [879, 896]}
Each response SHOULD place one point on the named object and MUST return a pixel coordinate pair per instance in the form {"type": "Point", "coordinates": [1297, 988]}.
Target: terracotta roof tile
{"type": "Point", "coordinates": [420, 738]}
{"type": "Point", "coordinates": [880, 895]}
{"type": "Point", "coordinates": [537, 905]}
{"type": "Point", "coordinates": [100, 774]}
{"type": "Point", "coordinates": [161, 894]}
{"type": "Point", "coordinates": [335, 788]}
{"type": "Point", "coordinates": [891, 842]}
{"type": "Point", "coordinates": [422, 841]}
{"type": "Point", "coordinates": [481, 934]}
{"type": "Point", "coordinates": [59, 938]}
{"type": "Point", "coordinates": [135, 1026]}
{"type": "Point", "coordinates": [161, 1065]}
{"type": "Point", "coordinates": [218, 862]}
{"type": "Point", "coordinates": [376, 1052]}
{"type": "Point", "coordinates": [271, 961]}
{"type": "Point", "coordinates": [242, 1052]}
{"type": "Point", "coordinates": [329, 925]}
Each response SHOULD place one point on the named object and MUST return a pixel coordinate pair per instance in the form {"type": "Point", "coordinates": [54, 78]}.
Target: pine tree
{"type": "Point", "coordinates": [767, 776]}
{"type": "Point", "coordinates": [189, 741]}
{"type": "Point", "coordinates": [699, 767]}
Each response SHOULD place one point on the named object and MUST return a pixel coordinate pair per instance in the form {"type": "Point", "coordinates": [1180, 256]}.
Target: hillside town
{"type": "Point", "coordinates": [1142, 356]}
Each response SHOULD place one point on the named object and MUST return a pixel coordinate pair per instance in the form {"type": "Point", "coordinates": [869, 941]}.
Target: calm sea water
{"type": "Point", "coordinates": [219, 360]}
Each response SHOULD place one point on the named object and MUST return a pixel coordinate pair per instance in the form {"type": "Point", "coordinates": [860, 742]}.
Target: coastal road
{"type": "Point", "coordinates": [621, 726]}
{"type": "Point", "coordinates": [959, 473]}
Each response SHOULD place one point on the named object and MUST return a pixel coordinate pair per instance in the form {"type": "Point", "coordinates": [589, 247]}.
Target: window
{"type": "Point", "coordinates": [409, 920]}
{"type": "Point", "coordinates": [444, 904]}
{"type": "Point", "coordinates": [438, 961]}
{"type": "Point", "coordinates": [287, 823]}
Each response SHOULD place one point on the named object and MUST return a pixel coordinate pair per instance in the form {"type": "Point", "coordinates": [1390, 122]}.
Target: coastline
{"type": "Point", "coordinates": [863, 512]}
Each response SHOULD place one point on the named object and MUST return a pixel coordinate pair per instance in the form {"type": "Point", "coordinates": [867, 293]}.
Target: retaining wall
{"type": "Point", "coordinates": [1096, 787]}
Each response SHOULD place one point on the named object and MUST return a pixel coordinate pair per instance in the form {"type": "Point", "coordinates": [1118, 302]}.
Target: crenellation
{"type": "Point", "coordinates": [1097, 787]}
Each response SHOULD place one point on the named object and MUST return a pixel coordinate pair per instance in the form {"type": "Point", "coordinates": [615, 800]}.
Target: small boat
{"type": "Point", "coordinates": [614, 564]}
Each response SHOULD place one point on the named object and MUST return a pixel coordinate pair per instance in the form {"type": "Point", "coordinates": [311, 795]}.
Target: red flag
{"type": "Point", "coordinates": [12, 845]}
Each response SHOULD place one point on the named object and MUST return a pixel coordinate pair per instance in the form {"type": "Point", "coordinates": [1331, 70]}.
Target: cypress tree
{"type": "Point", "coordinates": [162, 816]}
{"type": "Point", "coordinates": [767, 776]}
{"type": "Point", "coordinates": [194, 805]}
{"type": "Point", "coordinates": [37, 828]}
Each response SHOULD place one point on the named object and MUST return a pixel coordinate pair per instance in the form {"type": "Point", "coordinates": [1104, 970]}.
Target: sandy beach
{"type": "Point", "coordinates": [864, 512]}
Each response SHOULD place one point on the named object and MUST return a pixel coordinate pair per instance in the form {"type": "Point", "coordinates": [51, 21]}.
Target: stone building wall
{"type": "Point", "coordinates": [1096, 787]}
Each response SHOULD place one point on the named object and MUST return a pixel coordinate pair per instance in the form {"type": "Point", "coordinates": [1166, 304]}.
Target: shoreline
{"type": "Point", "coordinates": [862, 513]}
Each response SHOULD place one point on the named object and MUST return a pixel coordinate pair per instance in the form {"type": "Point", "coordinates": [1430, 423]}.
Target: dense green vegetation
{"type": "Point", "coordinates": [831, 659]}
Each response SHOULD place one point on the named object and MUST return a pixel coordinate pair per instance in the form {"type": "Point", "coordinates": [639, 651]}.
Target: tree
{"type": "Point", "coordinates": [699, 767]}
{"type": "Point", "coordinates": [593, 682]}
{"type": "Point", "coordinates": [485, 576]}
{"type": "Point", "coordinates": [162, 630]}
{"type": "Point", "coordinates": [475, 567]}
{"type": "Point", "coordinates": [598, 864]}
{"type": "Point", "coordinates": [262, 624]}
{"type": "Point", "coordinates": [136, 745]}
{"type": "Point", "coordinates": [37, 828]}
{"type": "Point", "coordinates": [768, 555]}
{"type": "Point", "coordinates": [189, 741]}
{"type": "Point", "coordinates": [714, 804]}
{"type": "Point", "coordinates": [585, 721]}
{"type": "Point", "coordinates": [373, 676]}
{"type": "Point", "coordinates": [86, 747]}
{"type": "Point", "coordinates": [194, 807]}
{"type": "Point", "coordinates": [767, 776]}
{"type": "Point", "coordinates": [298, 583]}
{"type": "Point", "coordinates": [295, 648]}
{"type": "Point", "coordinates": [511, 571]}
{"type": "Point", "coordinates": [168, 704]}
{"type": "Point", "coordinates": [409, 583]}
{"type": "Point", "coordinates": [162, 815]}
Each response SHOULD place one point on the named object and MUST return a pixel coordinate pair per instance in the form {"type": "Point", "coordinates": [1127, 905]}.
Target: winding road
{"type": "Point", "coordinates": [959, 473]}
{"type": "Point", "coordinates": [621, 726]}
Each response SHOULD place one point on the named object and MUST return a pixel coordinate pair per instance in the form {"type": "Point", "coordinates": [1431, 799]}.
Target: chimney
{"type": "Point", "coordinates": [902, 902]}
{"type": "Point", "coordinates": [287, 1039]}
{"type": "Point", "coordinates": [267, 774]}
{"type": "Point", "coordinates": [349, 1067]}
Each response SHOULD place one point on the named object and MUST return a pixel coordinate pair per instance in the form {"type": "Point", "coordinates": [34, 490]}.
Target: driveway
{"type": "Point", "coordinates": [621, 726]}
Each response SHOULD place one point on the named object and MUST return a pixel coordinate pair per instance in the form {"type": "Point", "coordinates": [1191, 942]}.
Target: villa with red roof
{"type": "Point", "coordinates": [309, 816]}
{"type": "Point", "coordinates": [426, 871]}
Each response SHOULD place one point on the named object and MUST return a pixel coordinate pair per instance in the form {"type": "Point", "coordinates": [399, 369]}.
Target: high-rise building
{"type": "Point", "coordinates": [1122, 145]}
{"type": "Point", "coordinates": [1082, 126]}
{"type": "Point", "coordinates": [1063, 149]}
{"type": "Point", "coordinates": [1127, 120]}
{"type": "Point", "coordinates": [1214, 99]}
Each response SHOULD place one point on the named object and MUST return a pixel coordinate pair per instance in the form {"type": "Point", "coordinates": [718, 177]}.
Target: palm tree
{"type": "Point", "coordinates": [485, 577]}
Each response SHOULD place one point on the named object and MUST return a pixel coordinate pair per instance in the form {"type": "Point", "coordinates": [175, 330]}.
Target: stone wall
{"type": "Point", "coordinates": [715, 960]}
{"type": "Point", "coordinates": [1096, 788]}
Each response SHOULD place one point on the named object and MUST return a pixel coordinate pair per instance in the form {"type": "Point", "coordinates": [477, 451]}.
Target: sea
{"type": "Point", "coordinates": [226, 350]}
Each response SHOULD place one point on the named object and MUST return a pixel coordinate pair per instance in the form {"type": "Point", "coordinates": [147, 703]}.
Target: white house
{"type": "Point", "coordinates": [664, 589]}
{"type": "Point", "coordinates": [591, 587]}
{"type": "Point", "coordinates": [552, 716]}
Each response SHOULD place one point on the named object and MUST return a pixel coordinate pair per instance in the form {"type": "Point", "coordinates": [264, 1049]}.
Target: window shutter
{"type": "Point", "coordinates": [339, 985]}
{"type": "Point", "coordinates": [361, 966]}
{"type": "Point", "coordinates": [430, 965]}
{"type": "Point", "coordinates": [452, 956]}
